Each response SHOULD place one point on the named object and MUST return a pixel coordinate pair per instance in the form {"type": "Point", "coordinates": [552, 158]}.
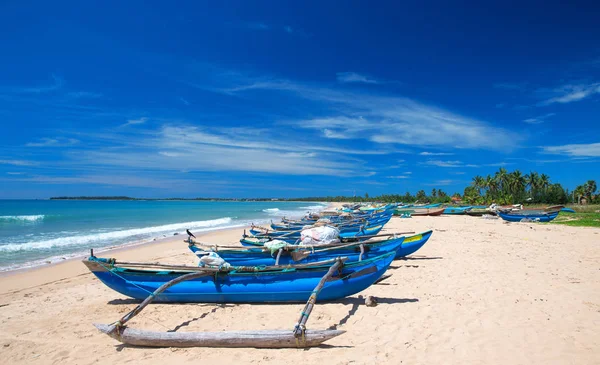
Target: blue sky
{"type": "Point", "coordinates": [237, 99]}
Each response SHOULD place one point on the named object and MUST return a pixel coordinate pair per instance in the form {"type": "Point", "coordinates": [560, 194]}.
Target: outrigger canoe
{"type": "Point", "coordinates": [235, 284]}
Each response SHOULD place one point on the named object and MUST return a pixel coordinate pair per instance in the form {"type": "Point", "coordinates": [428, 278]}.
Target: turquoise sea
{"type": "Point", "coordinates": [35, 232]}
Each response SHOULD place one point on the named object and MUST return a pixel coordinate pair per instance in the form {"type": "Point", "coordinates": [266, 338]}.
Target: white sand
{"type": "Point", "coordinates": [479, 292]}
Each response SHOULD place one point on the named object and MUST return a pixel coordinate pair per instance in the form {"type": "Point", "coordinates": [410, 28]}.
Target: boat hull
{"type": "Point", "coordinates": [281, 286]}
{"type": "Point", "coordinates": [258, 257]}
{"type": "Point", "coordinates": [412, 244]}
{"type": "Point", "coordinates": [514, 217]}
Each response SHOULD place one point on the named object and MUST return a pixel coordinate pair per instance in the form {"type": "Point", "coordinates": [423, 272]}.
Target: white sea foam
{"type": "Point", "coordinates": [314, 207]}
{"type": "Point", "coordinates": [270, 210]}
{"type": "Point", "coordinates": [110, 237]}
{"type": "Point", "coordinates": [22, 218]}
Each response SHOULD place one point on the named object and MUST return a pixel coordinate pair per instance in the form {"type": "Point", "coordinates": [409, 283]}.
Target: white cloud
{"type": "Point", "coordinates": [135, 121]}
{"type": "Point", "coordinates": [570, 93]}
{"type": "Point", "coordinates": [347, 77]}
{"type": "Point", "coordinates": [399, 177]}
{"type": "Point", "coordinates": [575, 150]}
{"type": "Point", "coordinates": [14, 173]}
{"type": "Point", "coordinates": [84, 95]}
{"type": "Point", "coordinates": [18, 163]}
{"type": "Point", "coordinates": [436, 154]}
{"type": "Point", "coordinates": [441, 182]}
{"type": "Point", "coordinates": [54, 142]}
{"type": "Point", "coordinates": [184, 101]}
{"type": "Point", "coordinates": [185, 147]}
{"type": "Point", "coordinates": [540, 119]}
{"type": "Point", "coordinates": [448, 163]}
{"type": "Point", "coordinates": [390, 120]}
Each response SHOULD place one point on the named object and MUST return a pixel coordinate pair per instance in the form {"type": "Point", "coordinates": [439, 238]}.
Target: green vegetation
{"type": "Point", "coordinates": [584, 218]}
{"type": "Point", "coordinates": [514, 188]}
{"type": "Point", "coordinates": [503, 187]}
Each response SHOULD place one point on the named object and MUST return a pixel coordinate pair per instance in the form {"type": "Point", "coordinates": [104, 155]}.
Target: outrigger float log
{"type": "Point", "coordinates": [298, 337]}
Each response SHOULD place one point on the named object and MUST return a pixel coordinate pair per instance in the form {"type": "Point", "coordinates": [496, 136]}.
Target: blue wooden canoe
{"type": "Point", "coordinates": [568, 210]}
{"type": "Point", "coordinates": [412, 244]}
{"type": "Point", "coordinates": [534, 216]}
{"type": "Point", "coordinates": [303, 255]}
{"type": "Point", "coordinates": [285, 285]}
{"type": "Point", "coordinates": [456, 210]}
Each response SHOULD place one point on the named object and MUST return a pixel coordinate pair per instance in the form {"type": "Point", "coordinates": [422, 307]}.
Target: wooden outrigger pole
{"type": "Point", "coordinates": [298, 337]}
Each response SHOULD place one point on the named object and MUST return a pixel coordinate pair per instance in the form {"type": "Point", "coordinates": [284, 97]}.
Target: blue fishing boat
{"type": "Point", "coordinates": [293, 236]}
{"type": "Point", "coordinates": [567, 210]}
{"type": "Point", "coordinates": [409, 245]}
{"type": "Point", "coordinates": [293, 254]}
{"type": "Point", "coordinates": [412, 244]}
{"type": "Point", "coordinates": [456, 210]}
{"type": "Point", "coordinates": [518, 216]}
{"type": "Point", "coordinates": [289, 284]}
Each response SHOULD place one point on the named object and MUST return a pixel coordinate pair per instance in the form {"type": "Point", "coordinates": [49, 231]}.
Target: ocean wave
{"type": "Point", "coordinates": [270, 210]}
{"type": "Point", "coordinates": [314, 207]}
{"type": "Point", "coordinates": [114, 235]}
{"type": "Point", "coordinates": [22, 218]}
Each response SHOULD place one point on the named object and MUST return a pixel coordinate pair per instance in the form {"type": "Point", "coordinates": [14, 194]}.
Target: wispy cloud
{"type": "Point", "coordinates": [569, 93]}
{"type": "Point", "coordinates": [84, 95]}
{"type": "Point", "coordinates": [18, 162]}
{"type": "Point", "coordinates": [348, 77]}
{"type": "Point", "coordinates": [14, 173]}
{"type": "Point", "coordinates": [135, 121]}
{"type": "Point", "coordinates": [185, 147]}
{"type": "Point", "coordinates": [575, 150]}
{"type": "Point", "coordinates": [452, 164]}
{"type": "Point", "coordinates": [54, 142]}
{"type": "Point", "coordinates": [436, 154]}
{"type": "Point", "coordinates": [441, 182]}
{"type": "Point", "coordinates": [389, 120]}
{"type": "Point", "coordinates": [540, 119]}
{"type": "Point", "coordinates": [184, 101]}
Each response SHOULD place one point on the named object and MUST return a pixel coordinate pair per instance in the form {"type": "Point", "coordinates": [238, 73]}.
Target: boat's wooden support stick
{"type": "Point", "coordinates": [377, 235]}
{"type": "Point", "coordinates": [300, 327]}
{"type": "Point", "coordinates": [121, 322]}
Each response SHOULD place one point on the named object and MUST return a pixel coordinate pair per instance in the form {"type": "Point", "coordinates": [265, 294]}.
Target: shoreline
{"type": "Point", "coordinates": [125, 248]}
{"type": "Point", "coordinates": [58, 259]}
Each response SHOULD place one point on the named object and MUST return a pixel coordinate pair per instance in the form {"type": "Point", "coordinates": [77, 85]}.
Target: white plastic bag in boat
{"type": "Point", "coordinates": [213, 259]}
{"type": "Point", "coordinates": [275, 245]}
{"type": "Point", "coordinates": [319, 235]}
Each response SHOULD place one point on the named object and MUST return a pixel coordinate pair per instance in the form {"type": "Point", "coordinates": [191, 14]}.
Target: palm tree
{"type": "Point", "coordinates": [501, 177]}
{"type": "Point", "coordinates": [517, 184]}
{"type": "Point", "coordinates": [479, 183]}
{"type": "Point", "coordinates": [590, 188]}
{"type": "Point", "coordinates": [533, 180]}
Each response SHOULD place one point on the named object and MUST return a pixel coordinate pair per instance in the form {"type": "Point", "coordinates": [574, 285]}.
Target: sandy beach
{"type": "Point", "coordinates": [479, 292]}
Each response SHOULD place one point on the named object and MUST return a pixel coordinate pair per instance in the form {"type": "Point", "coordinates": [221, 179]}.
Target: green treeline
{"type": "Point", "coordinates": [503, 187]}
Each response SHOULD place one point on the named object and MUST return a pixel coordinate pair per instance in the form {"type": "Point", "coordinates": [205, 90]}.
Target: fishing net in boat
{"type": "Point", "coordinates": [319, 236]}
{"type": "Point", "coordinates": [275, 245]}
{"type": "Point", "coordinates": [213, 259]}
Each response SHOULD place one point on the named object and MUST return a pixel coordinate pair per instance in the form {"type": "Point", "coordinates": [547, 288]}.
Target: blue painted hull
{"type": "Point", "coordinates": [281, 286]}
{"type": "Point", "coordinates": [568, 210]}
{"type": "Point", "coordinates": [541, 217]}
{"type": "Point", "coordinates": [456, 211]}
{"type": "Point", "coordinates": [412, 244]}
{"type": "Point", "coordinates": [258, 257]}
{"type": "Point", "coordinates": [293, 236]}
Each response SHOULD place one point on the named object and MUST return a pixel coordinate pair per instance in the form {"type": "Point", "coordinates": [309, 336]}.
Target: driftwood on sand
{"type": "Point", "coordinates": [298, 337]}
